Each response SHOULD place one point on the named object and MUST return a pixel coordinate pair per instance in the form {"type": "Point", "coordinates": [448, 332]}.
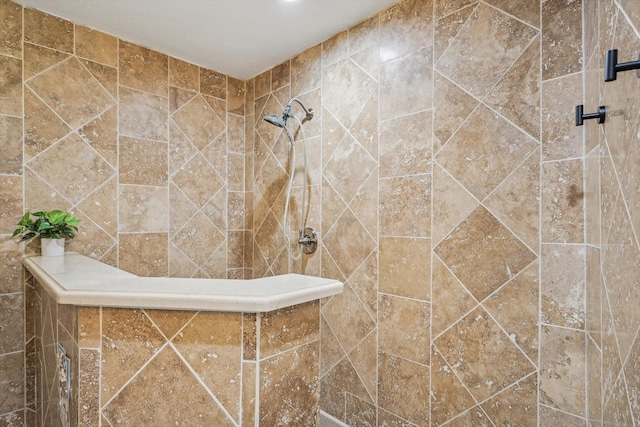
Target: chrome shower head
{"type": "Point", "coordinates": [280, 122]}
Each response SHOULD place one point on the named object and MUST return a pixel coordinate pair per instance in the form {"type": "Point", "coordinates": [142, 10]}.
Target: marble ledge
{"type": "Point", "coordinates": [79, 280]}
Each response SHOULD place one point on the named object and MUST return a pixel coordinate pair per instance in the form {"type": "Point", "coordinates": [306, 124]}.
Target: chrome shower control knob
{"type": "Point", "coordinates": [309, 240]}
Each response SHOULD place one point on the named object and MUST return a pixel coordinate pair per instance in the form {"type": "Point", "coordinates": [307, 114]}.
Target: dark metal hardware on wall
{"type": "Point", "coordinates": [612, 68]}
{"type": "Point", "coordinates": [601, 115]}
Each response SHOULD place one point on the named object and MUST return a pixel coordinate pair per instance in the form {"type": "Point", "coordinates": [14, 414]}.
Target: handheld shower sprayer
{"type": "Point", "coordinates": [282, 122]}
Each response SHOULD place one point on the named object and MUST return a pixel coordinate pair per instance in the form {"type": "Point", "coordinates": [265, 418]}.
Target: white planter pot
{"type": "Point", "coordinates": [52, 247]}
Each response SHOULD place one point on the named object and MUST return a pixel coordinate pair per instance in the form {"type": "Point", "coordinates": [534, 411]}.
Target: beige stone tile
{"type": "Point", "coordinates": [236, 210]}
{"type": "Point", "coordinates": [101, 206]}
{"type": "Point", "coordinates": [11, 149]}
{"type": "Point", "coordinates": [442, 8]}
{"type": "Point", "coordinates": [450, 299]}
{"type": "Point", "coordinates": [561, 138]}
{"type": "Point", "coordinates": [407, 401]}
{"type": "Point", "coordinates": [102, 134]}
{"type": "Point", "coordinates": [143, 115]}
{"type": "Point", "coordinates": [592, 214]}
{"type": "Point", "coordinates": [96, 46]}
{"type": "Point", "coordinates": [476, 58]}
{"type": "Point", "coordinates": [561, 38]}
{"type": "Point", "coordinates": [47, 30]}
{"type": "Point", "coordinates": [42, 127]}
{"type": "Point", "coordinates": [17, 418]}
{"type": "Point", "coordinates": [144, 254]}
{"type": "Point", "coordinates": [416, 94]}
{"type": "Point", "coordinates": [11, 201]}
{"type": "Point", "coordinates": [72, 92]}
{"type": "Point", "coordinates": [331, 352]}
{"type": "Point", "coordinates": [216, 154]}
{"type": "Point", "coordinates": [446, 28]}
{"type": "Point", "coordinates": [594, 383]}
{"type": "Point", "coordinates": [156, 397]}
{"type": "Point", "coordinates": [11, 19]}
{"type": "Point", "coordinates": [348, 318]}
{"type": "Point", "coordinates": [213, 83]}
{"type": "Point", "coordinates": [483, 254]}
{"type": "Point", "coordinates": [10, 264]}
{"type": "Point", "coordinates": [12, 382]}
{"type": "Point", "coordinates": [517, 94]}
{"type": "Point", "coordinates": [562, 202]}
{"type": "Point", "coordinates": [406, 145]}
{"type": "Point", "coordinates": [80, 160]}
{"type": "Point", "coordinates": [38, 59]}
{"type": "Point", "coordinates": [359, 412]}
{"type": "Point", "coordinates": [349, 92]}
{"type": "Point", "coordinates": [142, 209]}
{"type": "Point", "coordinates": [405, 206]}
{"type": "Point", "coordinates": [516, 201]}
{"type": "Point", "coordinates": [528, 12]}
{"type": "Point", "coordinates": [305, 71]}
{"type": "Point", "coordinates": [387, 419]}
{"type": "Point", "coordinates": [451, 203]}
{"type": "Point", "coordinates": [10, 86]}
{"type": "Point", "coordinates": [472, 417]}
{"type": "Point", "coordinates": [199, 122]}
{"type": "Point", "coordinates": [364, 35]}
{"type": "Point", "coordinates": [281, 77]}
{"type": "Point", "coordinates": [88, 387]}
{"type": "Point", "coordinates": [179, 97]}
{"type": "Point", "coordinates": [404, 326]}
{"type": "Point", "coordinates": [284, 329]}
{"type": "Point", "coordinates": [142, 162]}
{"type": "Point", "coordinates": [180, 148]}
{"type": "Point", "coordinates": [405, 27]}
{"type": "Point", "coordinates": [517, 405]}
{"type": "Point", "coordinates": [212, 344]}
{"type": "Point", "coordinates": [349, 167]}
{"type": "Point", "coordinates": [39, 195]}
{"type": "Point", "coordinates": [12, 322]}
{"type": "Point", "coordinates": [562, 369]}
{"type": "Point", "coordinates": [106, 75]}
{"type": "Point", "coordinates": [248, 393]}
{"type": "Point", "coordinates": [184, 74]}
{"type": "Point", "coordinates": [344, 377]}
{"type": "Point", "coordinates": [616, 411]}
{"type": "Point", "coordinates": [563, 285]}
{"type": "Point", "coordinates": [594, 295]}
{"type": "Point", "coordinates": [235, 255]}
{"type": "Point", "coordinates": [516, 308]}
{"type": "Point", "coordinates": [405, 267]}
{"type": "Point", "coordinates": [364, 360]}
{"type": "Point", "coordinates": [484, 151]}
{"type": "Point", "coordinates": [236, 96]}
{"type": "Point", "coordinates": [290, 377]}
{"type": "Point", "coordinates": [475, 348]}
{"type": "Point", "coordinates": [198, 238]}
{"type": "Point", "coordinates": [236, 133]}
{"type": "Point", "coordinates": [89, 327]}
{"type": "Point", "coordinates": [336, 48]}
{"type": "Point", "coordinates": [364, 282]}
{"type": "Point", "coordinates": [262, 84]}
{"type": "Point", "coordinates": [185, 179]}
{"type": "Point", "coordinates": [129, 340]}
{"type": "Point", "coordinates": [449, 397]}
{"type": "Point", "coordinates": [452, 106]}
{"type": "Point", "coordinates": [349, 243]}
{"type": "Point", "coordinates": [143, 69]}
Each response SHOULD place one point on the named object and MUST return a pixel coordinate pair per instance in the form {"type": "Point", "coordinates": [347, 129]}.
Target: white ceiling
{"type": "Point", "coordinates": [241, 38]}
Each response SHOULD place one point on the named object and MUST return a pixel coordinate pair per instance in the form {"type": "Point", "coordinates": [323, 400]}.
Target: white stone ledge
{"type": "Point", "coordinates": [79, 280]}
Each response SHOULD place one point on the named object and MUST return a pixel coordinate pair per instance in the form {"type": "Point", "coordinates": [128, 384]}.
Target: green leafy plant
{"type": "Point", "coordinates": [54, 224]}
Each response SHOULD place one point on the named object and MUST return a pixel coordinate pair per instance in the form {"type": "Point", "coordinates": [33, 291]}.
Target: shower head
{"type": "Point", "coordinates": [282, 122]}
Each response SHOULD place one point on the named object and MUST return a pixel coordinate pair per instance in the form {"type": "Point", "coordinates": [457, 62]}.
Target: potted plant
{"type": "Point", "coordinates": [51, 226]}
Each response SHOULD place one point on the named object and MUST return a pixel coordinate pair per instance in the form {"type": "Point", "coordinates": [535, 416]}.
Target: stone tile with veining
{"type": "Point", "coordinates": [11, 19]}
{"type": "Point", "coordinates": [48, 30]}
{"type": "Point", "coordinates": [497, 254]}
{"type": "Point", "coordinates": [404, 326]}
{"type": "Point", "coordinates": [96, 46]}
{"type": "Point", "coordinates": [141, 208]}
{"type": "Point", "coordinates": [483, 50]}
{"type": "Point", "coordinates": [184, 74]}
{"type": "Point", "coordinates": [562, 202]}
{"type": "Point", "coordinates": [561, 38]}
{"type": "Point", "coordinates": [405, 27]}
{"type": "Point", "coordinates": [405, 267]}
{"type": "Point", "coordinates": [143, 115]}
{"type": "Point", "coordinates": [11, 136]}
{"type": "Point", "coordinates": [142, 68]}
{"type": "Point", "coordinates": [144, 254]}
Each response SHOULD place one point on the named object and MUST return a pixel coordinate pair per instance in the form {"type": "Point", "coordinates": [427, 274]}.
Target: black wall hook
{"type": "Point", "coordinates": [611, 66]}
{"type": "Point", "coordinates": [601, 115]}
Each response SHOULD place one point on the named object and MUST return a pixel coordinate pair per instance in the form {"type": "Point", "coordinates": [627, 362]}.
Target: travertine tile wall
{"type": "Point", "coordinates": [161, 368]}
{"type": "Point", "coordinates": [146, 149]}
{"type": "Point", "coordinates": [612, 209]}
{"type": "Point", "coordinates": [447, 186]}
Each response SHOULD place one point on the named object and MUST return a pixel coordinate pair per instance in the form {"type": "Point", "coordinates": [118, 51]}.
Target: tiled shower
{"type": "Point", "coordinates": [488, 246]}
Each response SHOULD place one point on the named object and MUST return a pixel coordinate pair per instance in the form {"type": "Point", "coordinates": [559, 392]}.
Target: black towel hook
{"type": "Point", "coordinates": [612, 68]}
{"type": "Point", "coordinates": [601, 115]}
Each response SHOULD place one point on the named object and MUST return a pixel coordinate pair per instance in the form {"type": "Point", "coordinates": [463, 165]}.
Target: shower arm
{"type": "Point", "coordinates": [308, 112]}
